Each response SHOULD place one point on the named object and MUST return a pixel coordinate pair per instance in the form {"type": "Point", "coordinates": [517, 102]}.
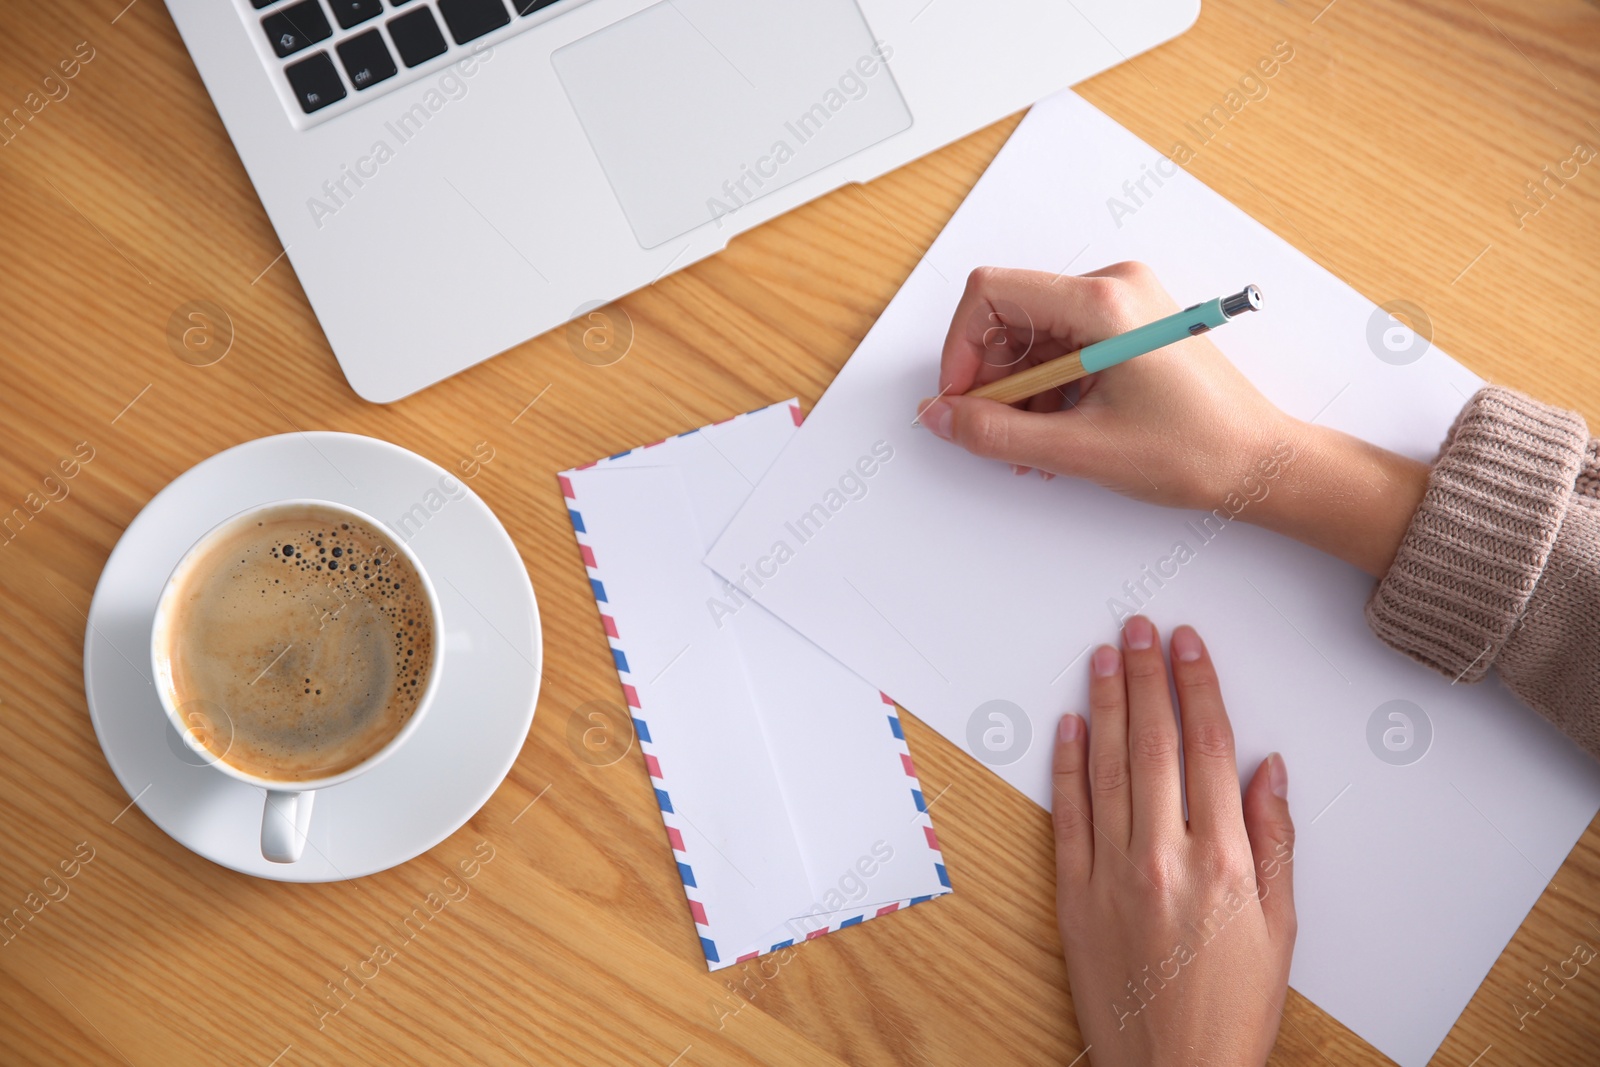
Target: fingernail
{"type": "Point", "coordinates": [1138, 634]}
{"type": "Point", "coordinates": [1071, 729]}
{"type": "Point", "coordinates": [1186, 646]}
{"type": "Point", "coordinates": [1277, 776]}
{"type": "Point", "coordinates": [1105, 662]}
{"type": "Point", "coordinates": [1017, 468]}
{"type": "Point", "coordinates": [1046, 475]}
{"type": "Point", "coordinates": [936, 417]}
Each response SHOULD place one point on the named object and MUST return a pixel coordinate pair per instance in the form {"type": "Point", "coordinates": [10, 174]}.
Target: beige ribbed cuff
{"type": "Point", "coordinates": [1480, 539]}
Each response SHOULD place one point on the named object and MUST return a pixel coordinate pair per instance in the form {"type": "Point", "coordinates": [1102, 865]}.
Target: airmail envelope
{"type": "Point", "coordinates": [784, 780]}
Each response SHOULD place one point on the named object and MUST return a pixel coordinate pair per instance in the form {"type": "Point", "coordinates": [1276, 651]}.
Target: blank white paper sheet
{"type": "Point", "coordinates": [949, 583]}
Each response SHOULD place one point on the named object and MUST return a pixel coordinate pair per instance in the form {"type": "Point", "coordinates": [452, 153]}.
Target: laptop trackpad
{"type": "Point", "coordinates": [697, 107]}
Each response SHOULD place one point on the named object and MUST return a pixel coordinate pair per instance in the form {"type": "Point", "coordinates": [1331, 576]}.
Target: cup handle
{"type": "Point", "coordinates": [285, 822]}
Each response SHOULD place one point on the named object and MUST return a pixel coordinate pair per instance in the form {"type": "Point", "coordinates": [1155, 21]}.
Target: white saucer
{"type": "Point", "coordinates": [464, 747]}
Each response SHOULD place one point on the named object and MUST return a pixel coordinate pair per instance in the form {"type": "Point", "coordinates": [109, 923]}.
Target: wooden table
{"type": "Point", "coordinates": [1395, 148]}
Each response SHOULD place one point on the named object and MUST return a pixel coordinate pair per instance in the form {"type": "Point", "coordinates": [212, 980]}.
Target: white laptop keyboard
{"type": "Point", "coordinates": [329, 56]}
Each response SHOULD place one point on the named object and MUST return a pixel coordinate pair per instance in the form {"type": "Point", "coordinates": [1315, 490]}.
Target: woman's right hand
{"type": "Point", "coordinates": [1179, 426]}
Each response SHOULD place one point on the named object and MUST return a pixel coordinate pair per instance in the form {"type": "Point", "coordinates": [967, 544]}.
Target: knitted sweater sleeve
{"type": "Point", "coordinates": [1500, 566]}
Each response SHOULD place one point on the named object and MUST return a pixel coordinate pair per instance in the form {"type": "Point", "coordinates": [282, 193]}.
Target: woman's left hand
{"type": "Point", "coordinates": [1177, 933]}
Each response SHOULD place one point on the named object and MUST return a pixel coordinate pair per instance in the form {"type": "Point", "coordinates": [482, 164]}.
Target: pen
{"type": "Point", "coordinates": [1114, 350]}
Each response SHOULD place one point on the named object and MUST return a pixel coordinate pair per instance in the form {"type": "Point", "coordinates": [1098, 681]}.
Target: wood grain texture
{"type": "Point", "coordinates": [1392, 148]}
{"type": "Point", "coordinates": [1050, 374]}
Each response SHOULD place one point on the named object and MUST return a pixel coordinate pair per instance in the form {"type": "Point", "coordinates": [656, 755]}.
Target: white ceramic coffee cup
{"type": "Point", "coordinates": [286, 816]}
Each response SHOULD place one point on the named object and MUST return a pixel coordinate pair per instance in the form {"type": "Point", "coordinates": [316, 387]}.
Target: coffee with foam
{"type": "Point", "coordinates": [300, 644]}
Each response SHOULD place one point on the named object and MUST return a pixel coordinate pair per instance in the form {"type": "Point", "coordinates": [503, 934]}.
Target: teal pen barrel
{"type": "Point", "coordinates": [1148, 338]}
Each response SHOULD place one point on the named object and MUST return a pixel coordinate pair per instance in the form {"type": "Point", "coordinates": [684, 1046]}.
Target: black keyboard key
{"type": "Point", "coordinates": [297, 27]}
{"type": "Point", "coordinates": [470, 19]}
{"type": "Point", "coordinates": [416, 36]}
{"type": "Point", "coordinates": [528, 7]}
{"type": "Point", "coordinates": [366, 59]}
{"type": "Point", "coordinates": [353, 12]}
{"type": "Point", "coordinates": [262, 3]}
{"type": "Point", "coordinates": [316, 84]}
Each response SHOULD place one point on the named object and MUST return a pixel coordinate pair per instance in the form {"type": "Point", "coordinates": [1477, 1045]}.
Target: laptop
{"type": "Point", "coordinates": [450, 178]}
